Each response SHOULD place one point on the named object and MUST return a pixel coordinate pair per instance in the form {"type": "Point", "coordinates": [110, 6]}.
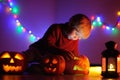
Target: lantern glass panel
{"type": "Point", "coordinates": [118, 64]}
{"type": "Point", "coordinates": [103, 64]}
{"type": "Point", "coordinates": [111, 64]}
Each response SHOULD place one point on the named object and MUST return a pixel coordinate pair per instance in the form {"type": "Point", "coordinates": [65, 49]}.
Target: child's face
{"type": "Point", "coordinates": [74, 35]}
{"type": "Point", "coordinates": [81, 31]}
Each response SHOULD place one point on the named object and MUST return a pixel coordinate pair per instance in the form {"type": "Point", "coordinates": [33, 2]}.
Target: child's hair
{"type": "Point", "coordinates": [76, 20]}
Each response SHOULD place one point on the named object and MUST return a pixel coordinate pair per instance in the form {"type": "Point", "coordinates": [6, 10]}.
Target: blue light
{"type": "Point", "coordinates": [113, 29]}
{"type": "Point", "coordinates": [30, 32]}
{"type": "Point", "coordinates": [11, 4]}
{"type": "Point", "coordinates": [0, 6]}
{"type": "Point", "coordinates": [17, 20]}
{"type": "Point", "coordinates": [108, 28]}
{"type": "Point", "coordinates": [98, 19]}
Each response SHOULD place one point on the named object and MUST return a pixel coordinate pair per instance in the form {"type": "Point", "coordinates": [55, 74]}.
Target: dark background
{"type": "Point", "coordinates": [38, 15]}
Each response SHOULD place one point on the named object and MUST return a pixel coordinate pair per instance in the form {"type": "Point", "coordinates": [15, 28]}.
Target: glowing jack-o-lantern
{"type": "Point", "coordinates": [53, 64]}
{"type": "Point", "coordinates": [12, 62]}
{"type": "Point", "coordinates": [80, 65]}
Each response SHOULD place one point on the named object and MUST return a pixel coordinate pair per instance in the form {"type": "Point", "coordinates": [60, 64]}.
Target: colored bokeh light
{"type": "Point", "coordinates": [15, 10]}
{"type": "Point", "coordinates": [19, 29]}
{"type": "Point", "coordinates": [96, 22]}
{"type": "Point", "coordinates": [115, 31]}
{"type": "Point", "coordinates": [32, 38]}
{"type": "Point", "coordinates": [0, 7]}
{"type": "Point", "coordinates": [118, 25]}
{"type": "Point", "coordinates": [1, 1]}
{"type": "Point", "coordinates": [118, 13]}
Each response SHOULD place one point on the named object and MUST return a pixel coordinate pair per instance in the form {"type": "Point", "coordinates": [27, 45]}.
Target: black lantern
{"type": "Point", "coordinates": [110, 61]}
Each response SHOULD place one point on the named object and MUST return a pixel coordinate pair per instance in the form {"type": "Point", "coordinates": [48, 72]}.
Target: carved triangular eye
{"type": "Point", "coordinates": [5, 55]}
{"type": "Point", "coordinates": [47, 60]}
{"type": "Point", "coordinates": [19, 57]}
{"type": "Point", "coordinates": [54, 61]}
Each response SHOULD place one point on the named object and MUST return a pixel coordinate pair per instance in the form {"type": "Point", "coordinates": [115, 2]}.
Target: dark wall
{"type": "Point", "coordinates": [107, 9]}
{"type": "Point", "coordinates": [38, 15]}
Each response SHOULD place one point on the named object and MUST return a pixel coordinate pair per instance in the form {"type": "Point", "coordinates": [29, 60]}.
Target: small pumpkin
{"type": "Point", "coordinates": [80, 65]}
{"type": "Point", "coordinates": [12, 62]}
{"type": "Point", "coordinates": [53, 64]}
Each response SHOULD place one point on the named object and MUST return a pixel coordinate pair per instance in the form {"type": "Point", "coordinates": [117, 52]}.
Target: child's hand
{"type": "Point", "coordinates": [76, 58]}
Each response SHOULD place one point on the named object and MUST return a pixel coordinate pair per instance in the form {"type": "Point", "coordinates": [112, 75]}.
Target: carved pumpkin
{"type": "Point", "coordinates": [53, 64]}
{"type": "Point", "coordinates": [80, 65]}
{"type": "Point", "coordinates": [12, 62]}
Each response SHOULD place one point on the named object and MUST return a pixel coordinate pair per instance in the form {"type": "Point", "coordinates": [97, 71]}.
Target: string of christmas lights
{"type": "Point", "coordinates": [14, 10]}
{"type": "Point", "coordinates": [96, 21]}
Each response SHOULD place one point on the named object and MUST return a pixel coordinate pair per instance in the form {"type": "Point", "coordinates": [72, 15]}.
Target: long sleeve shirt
{"type": "Point", "coordinates": [55, 41]}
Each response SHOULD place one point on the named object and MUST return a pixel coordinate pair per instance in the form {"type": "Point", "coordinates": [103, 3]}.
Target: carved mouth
{"type": "Point", "coordinates": [50, 69]}
{"type": "Point", "coordinates": [8, 68]}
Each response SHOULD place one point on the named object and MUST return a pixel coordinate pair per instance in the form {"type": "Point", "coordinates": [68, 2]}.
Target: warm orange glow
{"type": "Point", "coordinates": [111, 67]}
{"type": "Point", "coordinates": [92, 27]}
{"type": "Point", "coordinates": [11, 61]}
{"type": "Point", "coordinates": [103, 64]}
{"type": "Point", "coordinates": [95, 71]}
{"type": "Point", "coordinates": [118, 64]}
{"type": "Point", "coordinates": [76, 67]}
{"type": "Point", "coordinates": [54, 61]}
{"type": "Point", "coordinates": [46, 60]}
{"type": "Point", "coordinates": [8, 68]}
{"type": "Point", "coordinates": [76, 58]}
{"type": "Point", "coordinates": [54, 69]}
{"type": "Point", "coordinates": [19, 56]}
{"type": "Point", "coordinates": [118, 13]}
{"type": "Point", "coordinates": [5, 55]}
{"type": "Point", "coordinates": [50, 69]}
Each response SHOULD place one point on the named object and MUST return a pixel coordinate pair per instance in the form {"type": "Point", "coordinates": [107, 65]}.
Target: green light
{"type": "Point", "coordinates": [19, 29]}
{"type": "Point", "coordinates": [32, 38]}
{"type": "Point", "coordinates": [1, 0]}
{"type": "Point", "coordinates": [94, 23]}
{"type": "Point", "coordinates": [114, 31]}
{"type": "Point", "coordinates": [99, 23]}
{"type": "Point", "coordinates": [15, 10]}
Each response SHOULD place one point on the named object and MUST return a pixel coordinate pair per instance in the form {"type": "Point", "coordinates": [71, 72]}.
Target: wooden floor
{"type": "Point", "coordinates": [94, 74]}
{"type": "Point", "coordinates": [47, 77]}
